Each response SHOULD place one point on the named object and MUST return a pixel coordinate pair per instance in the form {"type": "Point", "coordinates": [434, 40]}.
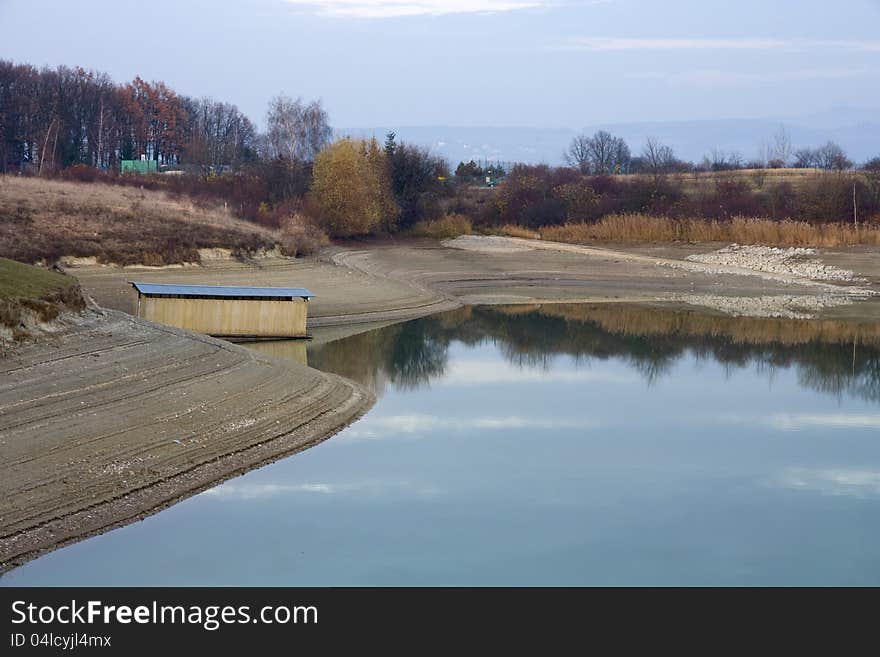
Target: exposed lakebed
{"type": "Point", "coordinates": [564, 444]}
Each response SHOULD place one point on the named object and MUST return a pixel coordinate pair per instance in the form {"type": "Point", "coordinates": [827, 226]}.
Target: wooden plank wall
{"type": "Point", "coordinates": [229, 317]}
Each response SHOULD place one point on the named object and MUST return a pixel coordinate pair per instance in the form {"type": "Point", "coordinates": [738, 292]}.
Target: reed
{"type": "Point", "coordinates": [512, 230]}
{"type": "Point", "coordinates": [451, 225]}
{"type": "Point", "coordinates": [740, 230]}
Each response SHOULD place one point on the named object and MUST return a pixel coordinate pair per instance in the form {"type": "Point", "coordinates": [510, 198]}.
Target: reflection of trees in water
{"type": "Point", "coordinates": [408, 355]}
{"type": "Point", "coordinates": [416, 356]}
{"type": "Point", "coordinates": [651, 341]}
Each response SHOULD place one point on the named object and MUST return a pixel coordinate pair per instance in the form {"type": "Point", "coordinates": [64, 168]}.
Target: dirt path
{"type": "Point", "coordinates": [117, 418]}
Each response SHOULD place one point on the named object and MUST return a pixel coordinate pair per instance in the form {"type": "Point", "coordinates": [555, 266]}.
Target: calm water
{"type": "Point", "coordinates": [550, 445]}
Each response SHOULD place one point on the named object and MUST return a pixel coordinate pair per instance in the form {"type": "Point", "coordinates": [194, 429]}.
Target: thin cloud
{"type": "Point", "coordinates": [799, 421]}
{"type": "Point", "coordinates": [256, 491]}
{"type": "Point", "coordinates": [476, 373]}
{"type": "Point", "coordinates": [715, 77]}
{"type": "Point", "coordinates": [402, 8]}
{"type": "Point", "coordinates": [839, 481]}
{"type": "Point", "coordinates": [614, 44]}
{"type": "Point", "coordinates": [416, 425]}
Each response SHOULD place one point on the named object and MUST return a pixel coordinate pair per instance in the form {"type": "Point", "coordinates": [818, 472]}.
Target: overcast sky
{"type": "Point", "coordinates": [543, 63]}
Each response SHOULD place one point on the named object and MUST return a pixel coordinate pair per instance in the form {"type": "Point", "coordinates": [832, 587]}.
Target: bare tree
{"type": "Point", "coordinates": [805, 158]}
{"type": "Point", "coordinates": [620, 156]}
{"type": "Point", "coordinates": [766, 157]}
{"type": "Point", "coordinates": [832, 157]}
{"type": "Point", "coordinates": [782, 149]}
{"type": "Point", "coordinates": [719, 160]}
{"type": "Point", "coordinates": [659, 158]}
{"type": "Point", "coordinates": [297, 131]}
{"type": "Point", "coordinates": [578, 154]}
{"type": "Point", "coordinates": [220, 136]}
{"type": "Point", "coordinates": [600, 154]}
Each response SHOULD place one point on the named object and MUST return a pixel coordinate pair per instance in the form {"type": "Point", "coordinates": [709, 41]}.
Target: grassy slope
{"type": "Point", "coordinates": [48, 219]}
{"type": "Point", "coordinates": [29, 295]}
{"type": "Point", "coordinates": [20, 281]}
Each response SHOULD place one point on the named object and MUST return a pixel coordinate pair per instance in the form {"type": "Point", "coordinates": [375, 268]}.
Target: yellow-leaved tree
{"type": "Point", "coordinates": [351, 189]}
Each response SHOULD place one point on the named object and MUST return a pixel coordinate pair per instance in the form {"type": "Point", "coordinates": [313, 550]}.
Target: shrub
{"type": "Point", "coordinates": [80, 173]}
{"type": "Point", "coordinates": [351, 192]}
{"type": "Point", "coordinates": [301, 237]}
{"type": "Point", "coordinates": [452, 225]}
{"type": "Point", "coordinates": [10, 313]}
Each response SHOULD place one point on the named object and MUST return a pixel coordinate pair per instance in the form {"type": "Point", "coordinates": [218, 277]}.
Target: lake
{"type": "Point", "coordinates": [549, 445]}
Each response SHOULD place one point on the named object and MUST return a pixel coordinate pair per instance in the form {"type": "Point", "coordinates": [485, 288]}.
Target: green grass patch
{"type": "Point", "coordinates": [20, 281]}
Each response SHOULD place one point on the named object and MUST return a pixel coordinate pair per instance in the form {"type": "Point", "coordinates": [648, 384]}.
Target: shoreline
{"type": "Point", "coordinates": [112, 418]}
{"type": "Point", "coordinates": [92, 445]}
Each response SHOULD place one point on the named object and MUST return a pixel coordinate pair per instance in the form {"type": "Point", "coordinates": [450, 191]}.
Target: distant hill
{"type": "Point", "coordinates": [857, 131]}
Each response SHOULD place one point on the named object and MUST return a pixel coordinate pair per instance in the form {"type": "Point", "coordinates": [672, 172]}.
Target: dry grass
{"type": "Point", "coordinates": [48, 219]}
{"type": "Point", "coordinates": [512, 230]}
{"type": "Point", "coordinates": [644, 228]}
{"type": "Point", "coordinates": [706, 180]}
{"type": "Point", "coordinates": [301, 237]}
{"type": "Point", "coordinates": [452, 225]}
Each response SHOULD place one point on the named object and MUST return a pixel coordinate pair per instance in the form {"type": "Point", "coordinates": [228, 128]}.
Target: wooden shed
{"type": "Point", "coordinates": [226, 312]}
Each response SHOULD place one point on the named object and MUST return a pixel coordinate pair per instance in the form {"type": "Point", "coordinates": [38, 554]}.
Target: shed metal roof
{"type": "Point", "coordinates": [221, 291]}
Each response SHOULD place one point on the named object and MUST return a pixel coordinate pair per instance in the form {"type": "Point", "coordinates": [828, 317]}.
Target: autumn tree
{"type": "Point", "coordinates": [351, 189]}
{"type": "Point", "coordinates": [54, 118]}
{"type": "Point", "coordinates": [156, 121]}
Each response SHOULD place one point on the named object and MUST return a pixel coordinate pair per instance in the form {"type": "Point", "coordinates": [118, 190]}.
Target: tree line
{"type": "Point", "coordinates": [79, 124]}
{"type": "Point", "coordinates": [52, 119]}
{"type": "Point", "coordinates": [604, 153]}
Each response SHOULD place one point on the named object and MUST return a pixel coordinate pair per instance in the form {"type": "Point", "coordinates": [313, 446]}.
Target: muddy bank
{"type": "Point", "coordinates": [392, 281]}
{"type": "Point", "coordinates": [114, 418]}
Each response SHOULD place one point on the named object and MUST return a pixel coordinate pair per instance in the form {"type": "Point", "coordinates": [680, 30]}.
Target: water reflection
{"type": "Point", "coordinates": [832, 357]}
{"type": "Point", "coordinates": [548, 445]}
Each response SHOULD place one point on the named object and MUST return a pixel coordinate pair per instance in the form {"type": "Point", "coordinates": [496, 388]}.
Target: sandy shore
{"type": "Point", "coordinates": [392, 281]}
{"type": "Point", "coordinates": [114, 418]}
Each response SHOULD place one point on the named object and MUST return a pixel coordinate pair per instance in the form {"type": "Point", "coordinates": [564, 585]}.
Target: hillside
{"type": "Point", "coordinates": [30, 296]}
{"type": "Point", "coordinates": [44, 220]}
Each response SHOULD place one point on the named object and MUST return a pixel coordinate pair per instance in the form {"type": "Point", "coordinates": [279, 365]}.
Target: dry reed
{"type": "Point", "coordinates": [451, 225]}
{"type": "Point", "coordinates": [741, 230]}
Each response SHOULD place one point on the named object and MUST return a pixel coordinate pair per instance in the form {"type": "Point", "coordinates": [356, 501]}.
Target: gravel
{"type": "Point", "coordinates": [777, 306]}
{"type": "Point", "coordinates": [799, 262]}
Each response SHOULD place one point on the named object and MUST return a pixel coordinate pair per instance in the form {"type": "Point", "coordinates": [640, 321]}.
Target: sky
{"type": "Point", "coordinates": [538, 63]}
